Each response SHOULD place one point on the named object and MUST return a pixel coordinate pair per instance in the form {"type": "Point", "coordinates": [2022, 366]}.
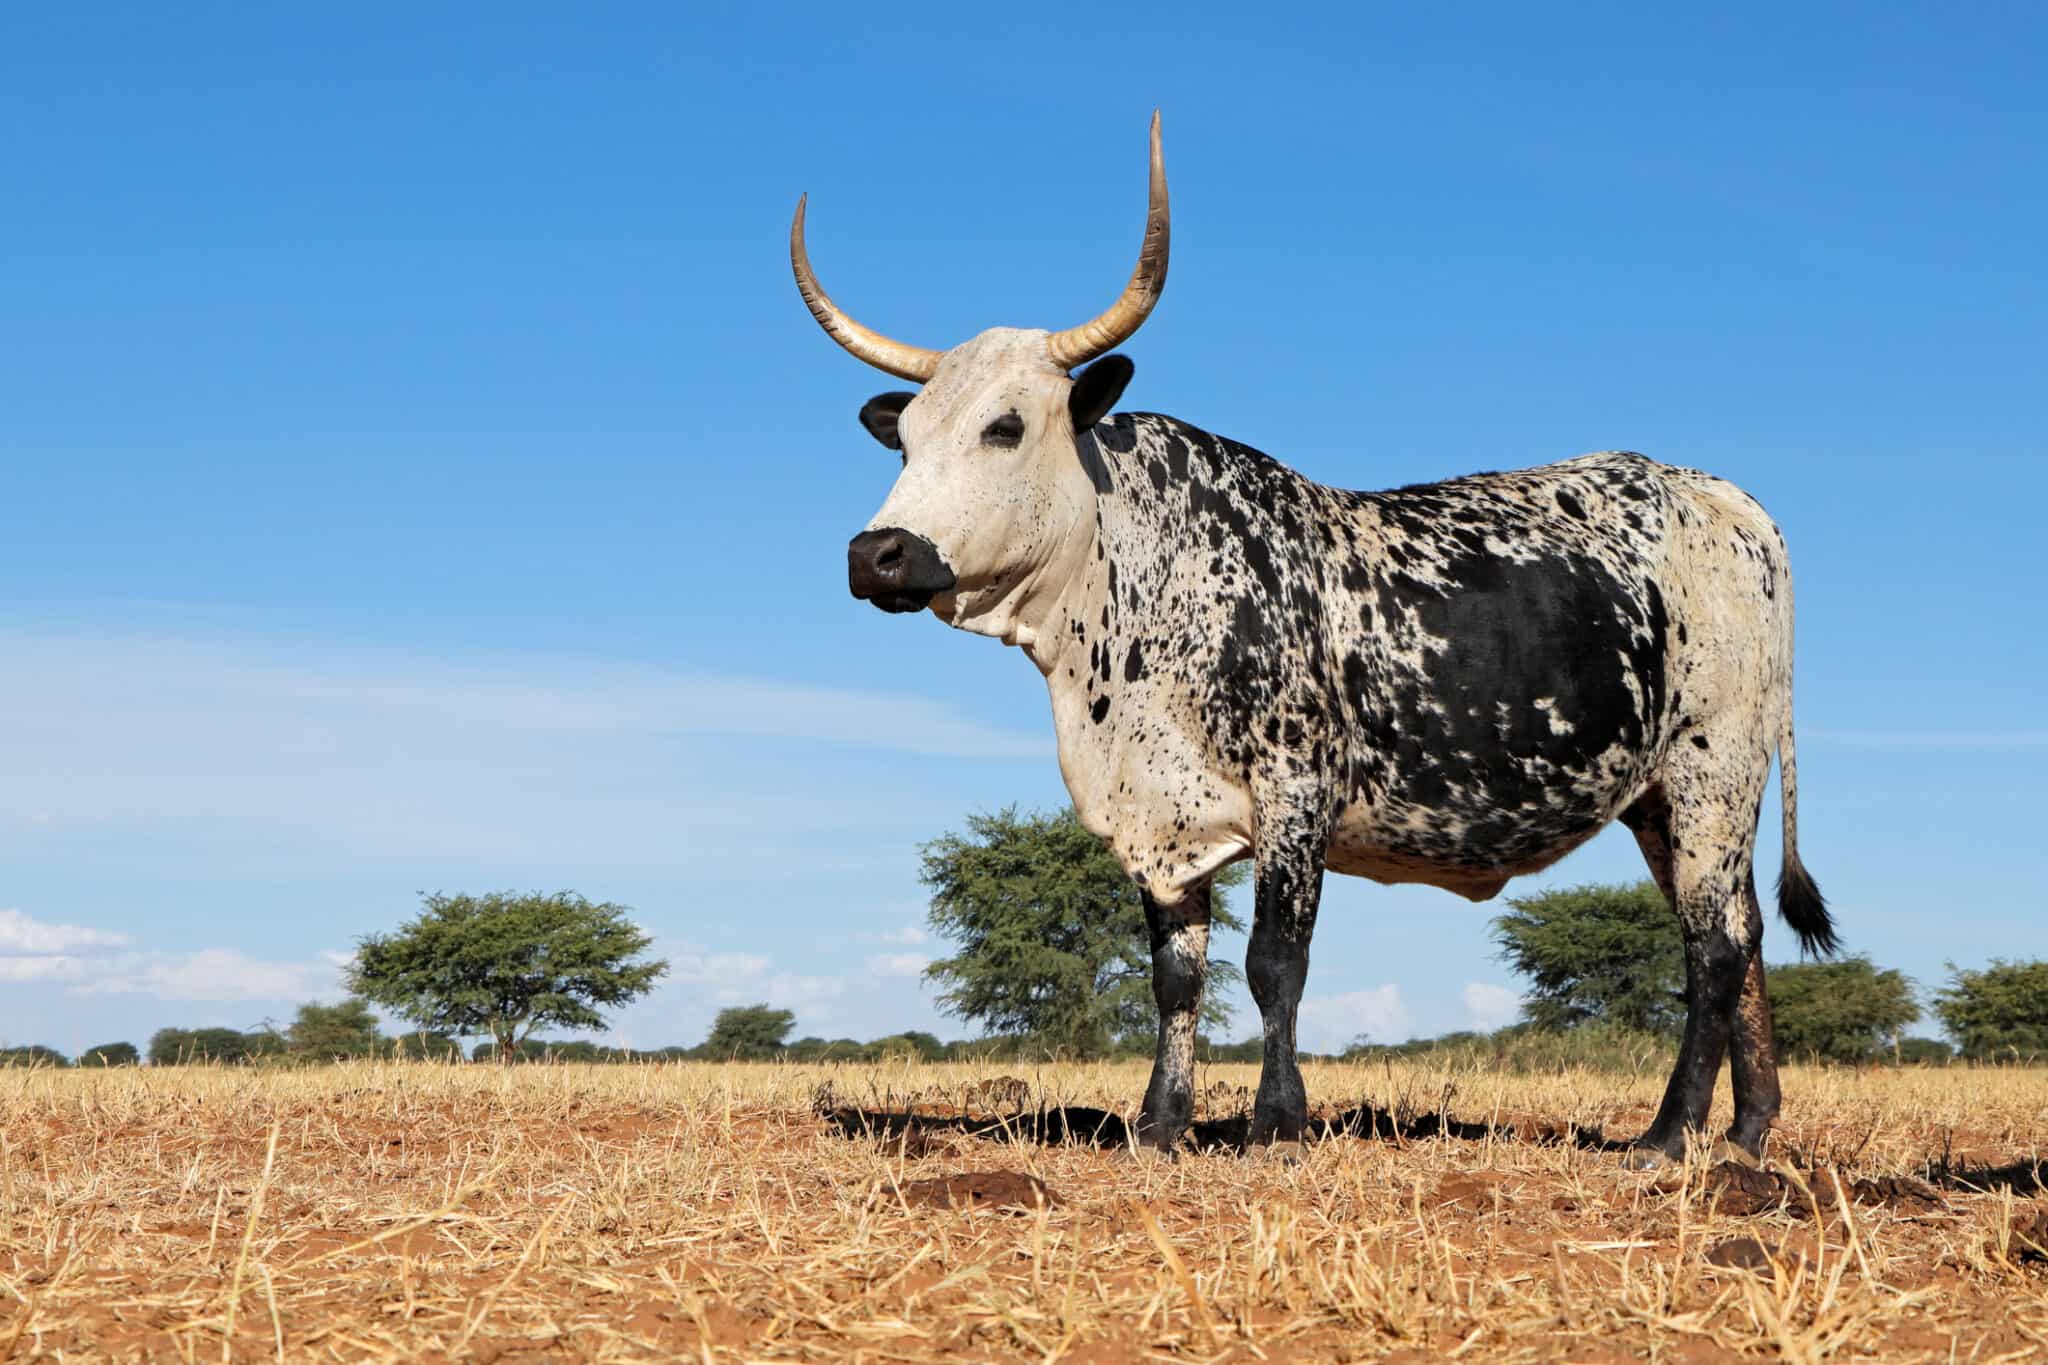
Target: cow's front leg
{"type": "Point", "coordinates": [1290, 886]}
{"type": "Point", "coordinates": [1180, 958]}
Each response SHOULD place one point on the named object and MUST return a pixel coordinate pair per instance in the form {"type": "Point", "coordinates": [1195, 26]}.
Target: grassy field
{"type": "Point", "coordinates": [709, 1213]}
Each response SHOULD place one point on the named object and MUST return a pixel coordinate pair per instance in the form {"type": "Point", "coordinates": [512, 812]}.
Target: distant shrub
{"type": "Point", "coordinates": [196, 1046]}
{"type": "Point", "coordinates": [425, 1047]}
{"type": "Point", "coordinates": [825, 1050]}
{"type": "Point", "coordinates": [111, 1054]}
{"type": "Point", "coordinates": [1848, 1010]}
{"type": "Point", "coordinates": [545, 1050]}
{"type": "Point", "coordinates": [1523, 1049]}
{"type": "Point", "coordinates": [1250, 1050]}
{"type": "Point", "coordinates": [35, 1054]}
{"type": "Point", "coordinates": [333, 1033]}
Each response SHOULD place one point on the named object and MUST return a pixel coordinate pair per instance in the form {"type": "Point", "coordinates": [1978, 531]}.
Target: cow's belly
{"type": "Point", "coordinates": [1460, 840]}
{"type": "Point", "coordinates": [1359, 848]}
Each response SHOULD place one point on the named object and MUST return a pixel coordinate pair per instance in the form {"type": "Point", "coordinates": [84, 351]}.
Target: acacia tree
{"type": "Point", "coordinates": [1999, 1011]}
{"type": "Point", "coordinates": [1051, 934]}
{"type": "Point", "coordinates": [748, 1033]}
{"type": "Point", "coordinates": [504, 965]}
{"type": "Point", "coordinates": [1597, 953]}
{"type": "Point", "coordinates": [1842, 1011]}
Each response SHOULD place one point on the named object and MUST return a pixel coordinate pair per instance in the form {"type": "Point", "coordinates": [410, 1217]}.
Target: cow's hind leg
{"type": "Point", "coordinates": [1699, 848]}
{"type": "Point", "coordinates": [1180, 958]}
{"type": "Point", "coordinates": [1752, 1052]}
{"type": "Point", "coordinates": [1290, 887]}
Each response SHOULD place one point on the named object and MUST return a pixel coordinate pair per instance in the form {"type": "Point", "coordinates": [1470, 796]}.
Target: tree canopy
{"type": "Point", "coordinates": [110, 1054]}
{"type": "Point", "coordinates": [1999, 1011]}
{"type": "Point", "coordinates": [332, 1033]}
{"type": "Point", "coordinates": [1050, 934]}
{"type": "Point", "coordinates": [191, 1046]}
{"type": "Point", "coordinates": [1842, 1011]}
{"type": "Point", "coordinates": [504, 965]}
{"type": "Point", "coordinates": [748, 1033]}
{"type": "Point", "coordinates": [1610, 954]}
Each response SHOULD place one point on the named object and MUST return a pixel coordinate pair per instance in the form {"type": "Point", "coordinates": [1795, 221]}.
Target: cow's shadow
{"type": "Point", "coordinates": [1081, 1125]}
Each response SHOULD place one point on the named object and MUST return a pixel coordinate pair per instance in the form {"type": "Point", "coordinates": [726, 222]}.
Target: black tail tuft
{"type": "Point", "coordinates": [1801, 905]}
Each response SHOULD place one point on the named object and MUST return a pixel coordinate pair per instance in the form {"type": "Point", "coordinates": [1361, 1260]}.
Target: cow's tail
{"type": "Point", "coordinates": [1800, 903]}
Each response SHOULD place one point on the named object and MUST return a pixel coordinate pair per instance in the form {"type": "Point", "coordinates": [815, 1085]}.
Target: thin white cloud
{"type": "Point", "coordinates": [909, 936]}
{"type": "Point", "coordinates": [1491, 1007]}
{"type": "Point", "coordinates": [898, 964]}
{"type": "Point", "coordinates": [20, 933]}
{"type": "Point", "coordinates": [815, 994]}
{"type": "Point", "coordinates": [214, 974]}
{"type": "Point", "coordinates": [57, 968]}
{"type": "Point", "coordinates": [1330, 1023]}
{"type": "Point", "coordinates": [274, 756]}
{"type": "Point", "coordinates": [715, 969]}
{"type": "Point", "coordinates": [33, 950]}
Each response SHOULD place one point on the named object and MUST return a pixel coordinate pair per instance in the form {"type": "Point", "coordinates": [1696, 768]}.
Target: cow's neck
{"type": "Point", "coordinates": [1034, 608]}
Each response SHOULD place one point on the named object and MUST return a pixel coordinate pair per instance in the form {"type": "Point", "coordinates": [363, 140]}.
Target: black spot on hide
{"type": "Point", "coordinates": [1467, 735]}
{"type": "Point", "coordinates": [1087, 446]}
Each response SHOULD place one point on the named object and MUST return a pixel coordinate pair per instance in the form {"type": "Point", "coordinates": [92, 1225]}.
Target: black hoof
{"type": "Point", "coordinates": [1749, 1138]}
{"type": "Point", "coordinates": [1277, 1127]}
{"type": "Point", "coordinates": [1159, 1135]}
{"type": "Point", "coordinates": [1653, 1149]}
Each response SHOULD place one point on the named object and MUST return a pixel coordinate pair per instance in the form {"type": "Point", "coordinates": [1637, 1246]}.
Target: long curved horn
{"type": "Point", "coordinates": [905, 362]}
{"type": "Point", "coordinates": [1079, 345]}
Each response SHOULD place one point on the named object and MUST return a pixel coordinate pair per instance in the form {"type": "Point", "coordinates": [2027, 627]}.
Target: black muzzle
{"type": "Point", "coordinates": [895, 570]}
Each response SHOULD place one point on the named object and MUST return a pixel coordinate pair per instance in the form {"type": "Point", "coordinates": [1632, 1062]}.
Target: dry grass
{"type": "Point", "coordinates": [705, 1213]}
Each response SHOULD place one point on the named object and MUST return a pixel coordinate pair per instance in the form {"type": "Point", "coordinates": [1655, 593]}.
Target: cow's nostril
{"type": "Point", "coordinates": [895, 569]}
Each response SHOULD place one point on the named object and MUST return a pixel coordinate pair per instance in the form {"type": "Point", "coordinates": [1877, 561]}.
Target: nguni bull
{"type": "Point", "coordinates": [1454, 683]}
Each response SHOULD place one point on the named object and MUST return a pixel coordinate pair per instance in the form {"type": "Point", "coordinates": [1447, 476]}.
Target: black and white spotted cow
{"type": "Point", "coordinates": [1453, 683]}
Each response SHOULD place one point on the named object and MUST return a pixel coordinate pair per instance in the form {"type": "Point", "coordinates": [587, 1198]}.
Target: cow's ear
{"type": "Point", "coordinates": [1096, 390]}
{"type": "Point", "coordinates": [879, 416]}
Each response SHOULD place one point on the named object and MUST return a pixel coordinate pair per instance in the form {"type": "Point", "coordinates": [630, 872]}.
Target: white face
{"type": "Point", "coordinates": [990, 479]}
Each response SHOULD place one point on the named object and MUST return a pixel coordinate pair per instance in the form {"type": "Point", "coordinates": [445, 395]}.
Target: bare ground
{"type": "Point", "coordinates": [913, 1212]}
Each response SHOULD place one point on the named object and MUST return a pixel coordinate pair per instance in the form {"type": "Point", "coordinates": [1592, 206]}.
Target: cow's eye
{"type": "Point", "coordinates": [1006, 431]}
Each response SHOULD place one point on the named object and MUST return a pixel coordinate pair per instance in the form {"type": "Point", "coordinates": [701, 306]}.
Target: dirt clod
{"type": "Point", "coordinates": [1001, 1092]}
{"type": "Point", "coordinates": [1742, 1253]}
{"type": "Point", "coordinates": [1469, 1190]}
{"type": "Point", "coordinates": [1742, 1191]}
{"type": "Point", "coordinates": [982, 1190]}
{"type": "Point", "coordinates": [2030, 1235]}
{"type": "Point", "coordinates": [1902, 1194]}
{"type": "Point", "coordinates": [1221, 1097]}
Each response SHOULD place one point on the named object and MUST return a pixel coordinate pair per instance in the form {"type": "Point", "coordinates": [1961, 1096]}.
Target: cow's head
{"type": "Point", "coordinates": [991, 487]}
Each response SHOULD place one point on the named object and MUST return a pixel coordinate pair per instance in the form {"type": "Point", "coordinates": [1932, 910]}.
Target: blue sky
{"type": "Point", "coordinates": [418, 472]}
